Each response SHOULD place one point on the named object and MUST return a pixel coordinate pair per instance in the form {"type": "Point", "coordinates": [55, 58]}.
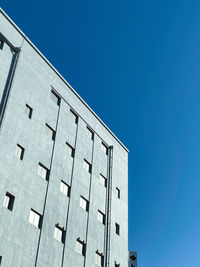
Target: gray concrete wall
{"type": "Point", "coordinates": [20, 242]}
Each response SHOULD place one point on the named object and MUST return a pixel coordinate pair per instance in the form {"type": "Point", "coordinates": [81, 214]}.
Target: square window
{"type": "Point", "coordinates": [70, 150]}
{"type": "Point", "coordinates": [80, 247]}
{"type": "Point", "coordinates": [101, 217]}
{"type": "Point", "coordinates": [43, 171]}
{"type": "Point", "coordinates": [84, 204]}
{"type": "Point", "coordinates": [73, 116]}
{"type": "Point", "coordinates": [55, 98]}
{"type": "Point", "coordinates": [99, 259]}
{"type": "Point", "coordinates": [117, 228]}
{"type": "Point", "coordinates": [9, 201]}
{"type": "Point", "coordinates": [35, 218]}
{"type": "Point", "coordinates": [103, 180]}
{"type": "Point", "coordinates": [50, 132]}
{"type": "Point", "coordinates": [104, 148]}
{"type": "Point", "coordinates": [59, 234]}
{"type": "Point", "coordinates": [64, 188]}
{"type": "Point", "coordinates": [19, 152]}
{"type": "Point", "coordinates": [117, 264]}
{"type": "Point", "coordinates": [87, 166]}
{"type": "Point", "coordinates": [28, 111]}
{"type": "Point", "coordinates": [118, 192]}
{"type": "Point", "coordinates": [90, 133]}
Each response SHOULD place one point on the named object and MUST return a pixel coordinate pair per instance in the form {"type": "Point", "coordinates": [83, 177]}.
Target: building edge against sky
{"type": "Point", "coordinates": [63, 173]}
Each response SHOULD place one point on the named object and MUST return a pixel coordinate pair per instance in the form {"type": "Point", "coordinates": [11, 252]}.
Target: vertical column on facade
{"type": "Point", "coordinates": [71, 184]}
{"type": "Point", "coordinates": [6, 91]}
{"type": "Point", "coordinates": [108, 209]}
{"type": "Point", "coordinates": [46, 193]}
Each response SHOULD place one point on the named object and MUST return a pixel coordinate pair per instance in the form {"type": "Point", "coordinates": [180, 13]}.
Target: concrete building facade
{"type": "Point", "coordinates": [63, 173]}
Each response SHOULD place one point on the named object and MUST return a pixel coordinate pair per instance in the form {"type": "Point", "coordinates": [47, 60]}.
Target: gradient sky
{"type": "Point", "coordinates": [137, 64]}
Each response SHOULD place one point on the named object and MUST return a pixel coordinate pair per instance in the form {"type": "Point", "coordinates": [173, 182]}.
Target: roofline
{"type": "Point", "coordinates": [60, 76]}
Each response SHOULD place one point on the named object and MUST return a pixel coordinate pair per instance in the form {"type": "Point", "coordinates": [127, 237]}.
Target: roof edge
{"type": "Point", "coordinates": [60, 76]}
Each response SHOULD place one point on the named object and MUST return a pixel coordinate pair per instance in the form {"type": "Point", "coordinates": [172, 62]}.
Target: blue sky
{"type": "Point", "coordinates": [137, 64]}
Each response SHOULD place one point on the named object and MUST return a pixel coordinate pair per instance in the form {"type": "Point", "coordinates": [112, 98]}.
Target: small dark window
{"type": "Point", "coordinates": [1, 44]}
{"type": "Point", "coordinates": [117, 264]}
{"type": "Point", "coordinates": [28, 111]}
{"type": "Point", "coordinates": [55, 97]}
{"type": "Point", "coordinates": [50, 132]}
{"type": "Point", "coordinates": [19, 152]}
{"type": "Point", "coordinates": [74, 116]}
{"type": "Point", "coordinates": [90, 133]}
{"type": "Point", "coordinates": [117, 228]}
{"type": "Point", "coordinates": [70, 150]}
{"type": "Point", "coordinates": [0, 260]}
{"type": "Point", "coordinates": [104, 148]}
{"type": "Point", "coordinates": [118, 192]}
{"type": "Point", "coordinates": [9, 201]}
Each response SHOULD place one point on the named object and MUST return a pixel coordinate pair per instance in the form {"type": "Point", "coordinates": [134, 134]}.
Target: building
{"type": "Point", "coordinates": [132, 259]}
{"type": "Point", "coordinates": [63, 173]}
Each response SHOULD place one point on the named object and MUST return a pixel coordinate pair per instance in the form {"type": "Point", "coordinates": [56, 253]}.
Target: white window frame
{"type": "Point", "coordinates": [64, 188]}
{"type": "Point", "coordinates": [98, 259]}
{"type": "Point", "coordinates": [103, 180]}
{"type": "Point", "coordinates": [87, 166]}
{"type": "Point", "coordinates": [58, 234]}
{"type": "Point", "coordinates": [42, 171]}
{"type": "Point", "coordinates": [80, 247]}
{"type": "Point", "coordinates": [34, 218]}
{"type": "Point", "coordinates": [83, 203]}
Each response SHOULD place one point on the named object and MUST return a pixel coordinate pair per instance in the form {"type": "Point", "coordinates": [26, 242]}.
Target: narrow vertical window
{"type": "Point", "coordinates": [104, 148]}
{"type": "Point", "coordinates": [50, 132]}
{"type": "Point", "coordinates": [87, 166]}
{"type": "Point", "coordinates": [70, 150]}
{"type": "Point", "coordinates": [55, 98]}
{"type": "Point", "coordinates": [103, 180]}
{"type": "Point", "coordinates": [84, 203]}
{"type": "Point", "coordinates": [1, 44]}
{"type": "Point", "coordinates": [118, 192]}
{"type": "Point", "coordinates": [19, 152]}
{"type": "Point", "coordinates": [28, 111]}
{"type": "Point", "coordinates": [8, 201]}
{"type": "Point", "coordinates": [101, 217]}
{"type": "Point", "coordinates": [35, 218]}
{"type": "Point", "coordinates": [64, 188]}
{"type": "Point", "coordinates": [59, 233]}
{"type": "Point", "coordinates": [90, 133]}
{"type": "Point", "coordinates": [43, 171]}
{"type": "Point", "coordinates": [80, 247]}
{"type": "Point", "coordinates": [117, 228]}
{"type": "Point", "coordinates": [0, 260]}
{"type": "Point", "coordinates": [73, 116]}
{"type": "Point", "coordinates": [99, 259]}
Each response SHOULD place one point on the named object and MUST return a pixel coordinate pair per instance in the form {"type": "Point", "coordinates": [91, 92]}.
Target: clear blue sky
{"type": "Point", "coordinates": [137, 64]}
